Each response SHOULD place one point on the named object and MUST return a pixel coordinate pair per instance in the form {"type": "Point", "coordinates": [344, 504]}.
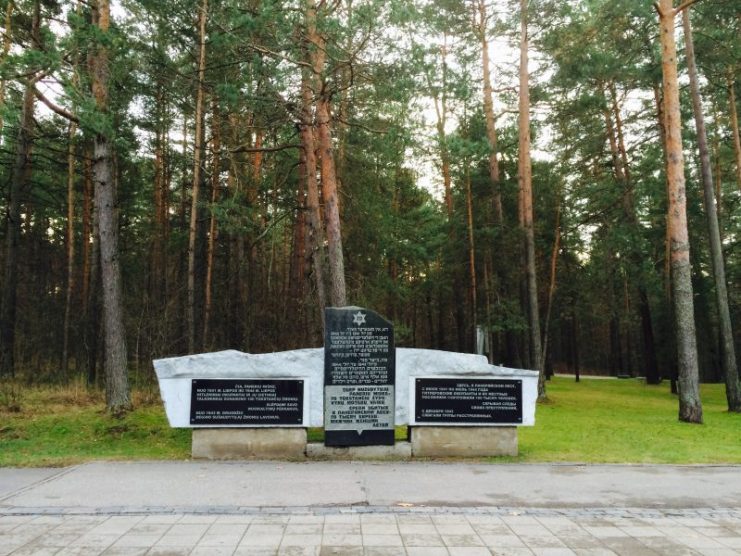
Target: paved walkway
{"type": "Point", "coordinates": [324, 508]}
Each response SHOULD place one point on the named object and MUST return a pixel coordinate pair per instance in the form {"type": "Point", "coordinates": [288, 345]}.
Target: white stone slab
{"type": "Point", "coordinates": [176, 373]}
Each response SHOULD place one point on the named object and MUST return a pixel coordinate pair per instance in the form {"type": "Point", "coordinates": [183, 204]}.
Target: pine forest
{"type": "Point", "coordinates": [554, 182]}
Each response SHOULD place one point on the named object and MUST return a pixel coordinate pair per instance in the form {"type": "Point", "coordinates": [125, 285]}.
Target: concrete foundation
{"type": "Point", "coordinates": [399, 451]}
{"type": "Point", "coordinates": [435, 442]}
{"type": "Point", "coordinates": [245, 443]}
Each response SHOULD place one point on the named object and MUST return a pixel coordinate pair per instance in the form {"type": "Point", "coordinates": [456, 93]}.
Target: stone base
{"type": "Point", "coordinates": [244, 443]}
{"type": "Point", "coordinates": [399, 451]}
{"type": "Point", "coordinates": [433, 442]}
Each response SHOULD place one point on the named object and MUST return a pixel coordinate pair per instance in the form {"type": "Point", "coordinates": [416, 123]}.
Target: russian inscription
{"type": "Point", "coordinates": [467, 401]}
{"type": "Point", "coordinates": [359, 374]}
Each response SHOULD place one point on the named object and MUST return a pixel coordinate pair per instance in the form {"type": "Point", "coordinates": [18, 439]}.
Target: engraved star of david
{"type": "Point", "coordinates": [358, 318]}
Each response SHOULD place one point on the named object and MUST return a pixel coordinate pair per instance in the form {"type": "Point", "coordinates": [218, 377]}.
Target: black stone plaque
{"type": "Point", "coordinates": [246, 402]}
{"type": "Point", "coordinates": [467, 400]}
{"type": "Point", "coordinates": [359, 375]}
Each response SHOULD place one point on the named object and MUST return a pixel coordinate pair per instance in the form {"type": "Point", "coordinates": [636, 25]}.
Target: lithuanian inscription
{"type": "Point", "coordinates": [246, 402]}
{"type": "Point", "coordinates": [359, 373]}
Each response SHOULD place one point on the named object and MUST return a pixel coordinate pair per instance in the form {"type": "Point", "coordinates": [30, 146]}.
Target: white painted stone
{"type": "Point", "coordinates": [175, 375]}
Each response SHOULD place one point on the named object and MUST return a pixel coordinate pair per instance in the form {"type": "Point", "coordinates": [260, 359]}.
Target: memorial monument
{"type": "Point", "coordinates": [359, 387]}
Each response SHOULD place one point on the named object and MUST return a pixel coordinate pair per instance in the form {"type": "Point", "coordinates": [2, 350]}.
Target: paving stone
{"type": "Point", "coordinates": [342, 518]}
{"type": "Point", "coordinates": [700, 542]}
{"type": "Point", "coordinates": [383, 551]}
{"type": "Point", "coordinates": [462, 540]}
{"type": "Point", "coordinates": [502, 541]}
{"type": "Point", "coordinates": [455, 529]}
{"type": "Point", "coordinates": [718, 552]}
{"type": "Point", "coordinates": [341, 551]}
{"type": "Point", "coordinates": [255, 551]}
{"type": "Point", "coordinates": [382, 540]}
{"type": "Point", "coordinates": [417, 529]}
{"type": "Point", "coordinates": [168, 551]}
{"type": "Point", "coordinates": [421, 539]}
{"type": "Point", "coordinates": [260, 540]}
{"type": "Point", "coordinates": [79, 551]}
{"type": "Point", "coordinates": [550, 551]}
{"type": "Point", "coordinates": [583, 540]}
{"type": "Point", "coordinates": [265, 529]}
{"type": "Point", "coordinates": [165, 518]}
{"type": "Point", "coordinates": [514, 551]}
{"type": "Point", "coordinates": [427, 551]}
{"type": "Point", "coordinates": [383, 528]}
{"type": "Point", "coordinates": [342, 528]}
{"type": "Point", "coordinates": [198, 519]}
{"type": "Point", "coordinates": [730, 542]}
{"type": "Point", "coordinates": [377, 518]}
{"type": "Point", "coordinates": [298, 550]}
{"type": "Point", "coordinates": [219, 540]}
{"type": "Point", "coordinates": [642, 531]}
{"type": "Point", "coordinates": [132, 540]}
{"type": "Point", "coordinates": [413, 519]}
{"type": "Point", "coordinates": [36, 550]}
{"type": "Point", "coordinates": [178, 540]}
{"type": "Point", "coordinates": [302, 540]}
{"type": "Point", "coordinates": [124, 551]}
{"type": "Point", "coordinates": [542, 541]}
{"type": "Point", "coordinates": [606, 532]}
{"type": "Point", "coordinates": [304, 528]}
{"type": "Point", "coordinates": [594, 552]}
{"type": "Point", "coordinates": [468, 551]}
{"type": "Point", "coordinates": [339, 539]}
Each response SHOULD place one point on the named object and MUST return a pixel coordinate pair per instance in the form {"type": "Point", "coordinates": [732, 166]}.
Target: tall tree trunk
{"type": "Point", "coordinates": [471, 253]}
{"type": "Point", "coordinates": [337, 293]}
{"type": "Point", "coordinates": [491, 131]}
{"type": "Point", "coordinates": [313, 210]}
{"type": "Point", "coordinates": [734, 126]}
{"type": "Point", "coordinates": [158, 281]}
{"type": "Point", "coordinates": [212, 231]}
{"type": "Point", "coordinates": [70, 239]}
{"type": "Point", "coordinates": [197, 156]}
{"type": "Point", "coordinates": [90, 258]}
{"type": "Point", "coordinates": [115, 364]}
{"type": "Point", "coordinates": [552, 284]}
{"type": "Point", "coordinates": [728, 353]}
{"type": "Point", "coordinates": [690, 406]}
{"type": "Point", "coordinates": [238, 293]}
{"type": "Point", "coordinates": [526, 201]}
{"type": "Point", "coordinates": [7, 41]}
{"type": "Point", "coordinates": [297, 273]}
{"type": "Point", "coordinates": [316, 47]}
{"type": "Point", "coordinates": [672, 363]}
{"type": "Point", "coordinates": [92, 308]}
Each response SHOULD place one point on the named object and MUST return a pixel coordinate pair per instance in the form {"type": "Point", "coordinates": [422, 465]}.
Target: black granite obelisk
{"type": "Point", "coordinates": [359, 378]}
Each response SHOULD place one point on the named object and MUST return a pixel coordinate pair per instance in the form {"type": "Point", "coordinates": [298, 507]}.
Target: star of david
{"type": "Point", "coordinates": [358, 318]}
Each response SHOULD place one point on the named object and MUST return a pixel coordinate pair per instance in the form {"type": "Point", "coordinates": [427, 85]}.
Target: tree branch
{"type": "Point", "coordinates": [246, 149]}
{"type": "Point", "coordinates": [683, 6]}
{"type": "Point", "coordinates": [54, 108]}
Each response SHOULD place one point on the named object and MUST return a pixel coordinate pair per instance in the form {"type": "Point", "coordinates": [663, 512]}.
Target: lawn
{"type": "Point", "coordinates": [599, 421]}
{"type": "Point", "coordinates": [626, 421]}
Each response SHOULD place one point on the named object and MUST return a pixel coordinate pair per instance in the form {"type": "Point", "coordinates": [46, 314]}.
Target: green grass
{"type": "Point", "coordinates": [599, 421]}
{"type": "Point", "coordinates": [626, 421]}
{"type": "Point", "coordinates": [56, 427]}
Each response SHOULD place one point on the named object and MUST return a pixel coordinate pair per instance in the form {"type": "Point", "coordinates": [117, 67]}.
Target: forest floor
{"type": "Point", "coordinates": [593, 421]}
